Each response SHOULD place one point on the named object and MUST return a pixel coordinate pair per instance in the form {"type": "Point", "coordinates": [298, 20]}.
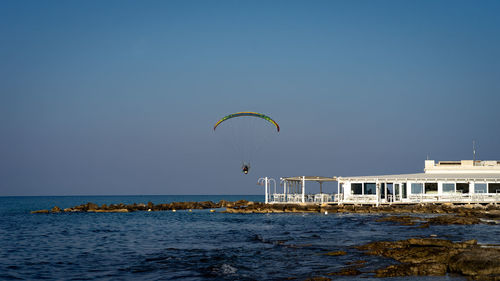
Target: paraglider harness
{"type": "Point", "coordinates": [246, 168]}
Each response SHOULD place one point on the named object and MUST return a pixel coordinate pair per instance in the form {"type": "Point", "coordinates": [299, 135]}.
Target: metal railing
{"type": "Point", "coordinates": [455, 197]}
{"type": "Point", "coordinates": [308, 198]}
{"type": "Point", "coordinates": [360, 199]}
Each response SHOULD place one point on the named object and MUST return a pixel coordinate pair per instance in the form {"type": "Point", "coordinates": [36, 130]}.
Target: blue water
{"type": "Point", "coordinates": [196, 245]}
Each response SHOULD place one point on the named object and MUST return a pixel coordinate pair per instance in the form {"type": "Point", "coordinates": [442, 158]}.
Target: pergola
{"type": "Point", "coordinates": [300, 181]}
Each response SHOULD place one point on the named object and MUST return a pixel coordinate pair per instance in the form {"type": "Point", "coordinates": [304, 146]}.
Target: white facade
{"type": "Point", "coordinates": [461, 167]}
{"type": "Point", "coordinates": [463, 181]}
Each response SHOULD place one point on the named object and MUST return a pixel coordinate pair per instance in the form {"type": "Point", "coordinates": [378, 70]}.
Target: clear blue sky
{"type": "Point", "coordinates": [119, 97]}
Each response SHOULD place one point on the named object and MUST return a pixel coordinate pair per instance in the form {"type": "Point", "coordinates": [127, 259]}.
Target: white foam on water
{"type": "Point", "coordinates": [228, 269]}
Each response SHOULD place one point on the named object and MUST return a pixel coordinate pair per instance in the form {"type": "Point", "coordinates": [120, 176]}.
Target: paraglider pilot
{"type": "Point", "coordinates": [246, 168]}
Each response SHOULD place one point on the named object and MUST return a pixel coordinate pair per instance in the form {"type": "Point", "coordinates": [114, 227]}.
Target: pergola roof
{"type": "Point", "coordinates": [310, 178]}
{"type": "Point", "coordinates": [428, 177]}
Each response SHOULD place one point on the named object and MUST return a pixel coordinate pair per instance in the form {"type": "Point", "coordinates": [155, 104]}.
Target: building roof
{"type": "Point", "coordinates": [310, 178]}
{"type": "Point", "coordinates": [428, 177]}
{"type": "Point", "coordinates": [463, 166]}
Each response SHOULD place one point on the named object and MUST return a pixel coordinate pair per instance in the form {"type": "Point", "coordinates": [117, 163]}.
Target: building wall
{"type": "Point", "coordinates": [348, 191]}
{"type": "Point", "coordinates": [463, 166]}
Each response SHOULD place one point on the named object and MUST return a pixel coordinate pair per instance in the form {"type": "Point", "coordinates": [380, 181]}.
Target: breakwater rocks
{"type": "Point", "coordinates": [491, 209]}
{"type": "Point", "coordinates": [438, 220]}
{"type": "Point", "coordinates": [451, 214]}
{"type": "Point", "coordinates": [428, 256]}
{"type": "Point", "coordinates": [124, 208]}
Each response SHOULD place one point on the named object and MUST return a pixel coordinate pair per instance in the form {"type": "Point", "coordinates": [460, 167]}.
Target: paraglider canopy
{"type": "Point", "coordinates": [254, 114]}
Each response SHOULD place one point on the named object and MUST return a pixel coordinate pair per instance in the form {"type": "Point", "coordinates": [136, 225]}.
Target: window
{"type": "Point", "coordinates": [431, 187]}
{"type": "Point", "coordinates": [480, 188]}
{"type": "Point", "coordinates": [494, 188]}
{"type": "Point", "coordinates": [463, 187]}
{"type": "Point", "coordinates": [417, 188]}
{"type": "Point", "coordinates": [370, 188]}
{"type": "Point", "coordinates": [357, 188]}
{"type": "Point", "coordinates": [448, 187]}
{"type": "Point", "coordinates": [403, 188]}
{"type": "Point", "coordinates": [390, 188]}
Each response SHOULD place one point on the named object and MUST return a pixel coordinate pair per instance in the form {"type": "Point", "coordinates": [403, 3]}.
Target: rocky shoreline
{"type": "Point", "coordinates": [124, 208]}
{"type": "Point", "coordinates": [428, 257]}
{"type": "Point", "coordinates": [401, 214]}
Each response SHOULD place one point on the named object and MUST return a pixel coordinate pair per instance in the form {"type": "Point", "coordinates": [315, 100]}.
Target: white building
{"type": "Point", "coordinates": [465, 181]}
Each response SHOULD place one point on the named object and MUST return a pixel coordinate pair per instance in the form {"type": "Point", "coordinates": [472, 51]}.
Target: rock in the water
{"type": "Point", "coordinates": [477, 262]}
{"type": "Point", "coordinates": [92, 206]}
{"type": "Point", "coordinates": [401, 220]}
{"type": "Point", "coordinates": [412, 269]}
{"type": "Point", "coordinates": [450, 219]}
{"type": "Point", "coordinates": [349, 271]}
{"type": "Point", "coordinates": [357, 263]}
{"type": "Point", "coordinates": [56, 209]}
{"type": "Point", "coordinates": [110, 211]}
{"type": "Point", "coordinates": [318, 278]}
{"type": "Point", "coordinates": [428, 256]}
{"type": "Point", "coordinates": [335, 253]}
{"type": "Point", "coordinates": [40, 212]}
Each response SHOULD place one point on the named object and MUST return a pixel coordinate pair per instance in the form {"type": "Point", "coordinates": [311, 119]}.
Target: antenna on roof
{"type": "Point", "coordinates": [474, 150]}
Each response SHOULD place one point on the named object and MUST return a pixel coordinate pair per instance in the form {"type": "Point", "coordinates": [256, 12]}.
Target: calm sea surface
{"type": "Point", "coordinates": [196, 245]}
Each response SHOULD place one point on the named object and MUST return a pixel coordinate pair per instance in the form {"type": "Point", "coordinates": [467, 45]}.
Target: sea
{"type": "Point", "coordinates": [197, 245]}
